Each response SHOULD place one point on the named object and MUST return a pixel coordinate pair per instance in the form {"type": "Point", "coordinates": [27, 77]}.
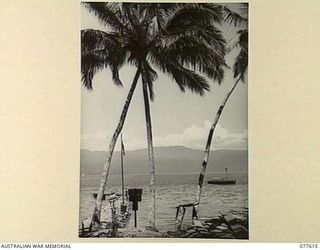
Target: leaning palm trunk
{"type": "Point", "coordinates": [97, 208]}
{"type": "Point", "coordinates": [207, 151]}
{"type": "Point", "coordinates": [152, 217]}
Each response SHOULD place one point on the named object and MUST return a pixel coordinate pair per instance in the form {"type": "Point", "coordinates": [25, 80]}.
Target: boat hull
{"type": "Point", "coordinates": [222, 182]}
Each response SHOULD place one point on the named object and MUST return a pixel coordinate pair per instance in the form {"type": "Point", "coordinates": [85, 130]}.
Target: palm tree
{"type": "Point", "coordinates": [239, 72]}
{"type": "Point", "coordinates": [181, 40]}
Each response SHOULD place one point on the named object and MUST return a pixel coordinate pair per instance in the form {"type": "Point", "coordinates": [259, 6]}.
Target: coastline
{"type": "Point", "coordinates": [232, 225]}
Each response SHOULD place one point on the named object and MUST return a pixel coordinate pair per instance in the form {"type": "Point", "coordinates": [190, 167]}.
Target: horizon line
{"type": "Point", "coordinates": [240, 149]}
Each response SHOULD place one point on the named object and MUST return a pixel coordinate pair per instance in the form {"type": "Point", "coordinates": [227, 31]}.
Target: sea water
{"type": "Point", "coordinates": [171, 190]}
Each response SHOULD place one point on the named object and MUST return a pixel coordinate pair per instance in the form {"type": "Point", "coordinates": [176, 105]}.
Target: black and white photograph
{"type": "Point", "coordinates": [164, 120]}
{"type": "Point", "coordinates": [141, 123]}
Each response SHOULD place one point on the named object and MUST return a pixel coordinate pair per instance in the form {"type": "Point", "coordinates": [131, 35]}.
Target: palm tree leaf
{"type": "Point", "coordinates": [240, 40]}
{"type": "Point", "coordinates": [209, 34]}
{"type": "Point", "coordinates": [107, 13]}
{"type": "Point", "coordinates": [195, 52]}
{"type": "Point", "coordinates": [185, 32]}
{"type": "Point", "coordinates": [97, 40]}
{"type": "Point", "coordinates": [233, 43]}
{"type": "Point", "coordinates": [241, 65]}
{"type": "Point", "coordinates": [98, 51]}
{"type": "Point", "coordinates": [158, 15]}
{"type": "Point", "coordinates": [131, 14]}
{"type": "Point", "coordinates": [241, 61]}
{"type": "Point", "coordinates": [216, 71]}
{"type": "Point", "coordinates": [185, 78]}
{"type": "Point", "coordinates": [90, 65]}
{"type": "Point", "coordinates": [115, 75]}
{"type": "Point", "coordinates": [188, 78]}
{"type": "Point", "coordinates": [189, 14]}
{"type": "Point", "coordinates": [234, 18]}
{"type": "Point", "coordinates": [243, 39]}
{"type": "Point", "coordinates": [243, 9]}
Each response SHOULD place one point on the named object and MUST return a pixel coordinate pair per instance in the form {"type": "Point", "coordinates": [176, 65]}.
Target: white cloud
{"type": "Point", "coordinates": [192, 137]}
{"type": "Point", "coordinates": [196, 137]}
{"type": "Point", "coordinates": [96, 141]}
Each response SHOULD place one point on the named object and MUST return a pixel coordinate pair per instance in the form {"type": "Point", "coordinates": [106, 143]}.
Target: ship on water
{"type": "Point", "coordinates": [224, 180]}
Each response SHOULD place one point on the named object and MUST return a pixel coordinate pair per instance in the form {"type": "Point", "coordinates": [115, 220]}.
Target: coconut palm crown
{"type": "Point", "coordinates": [240, 41]}
{"type": "Point", "coordinates": [179, 39]}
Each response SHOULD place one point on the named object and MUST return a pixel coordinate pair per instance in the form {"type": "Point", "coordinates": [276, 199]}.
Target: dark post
{"type": "Point", "coordinates": [135, 218]}
{"type": "Point", "coordinates": [135, 197]}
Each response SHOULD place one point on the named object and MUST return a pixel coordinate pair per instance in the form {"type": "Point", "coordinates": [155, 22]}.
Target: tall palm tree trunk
{"type": "Point", "coordinates": [207, 151]}
{"type": "Point", "coordinates": [97, 208]}
{"type": "Point", "coordinates": [152, 218]}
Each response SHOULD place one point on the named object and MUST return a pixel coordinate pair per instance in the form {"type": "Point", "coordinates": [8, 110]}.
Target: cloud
{"type": "Point", "coordinates": [192, 137]}
{"type": "Point", "coordinates": [196, 137]}
{"type": "Point", "coordinates": [97, 141]}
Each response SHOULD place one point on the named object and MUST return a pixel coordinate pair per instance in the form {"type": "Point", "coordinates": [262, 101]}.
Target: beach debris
{"type": "Point", "coordinates": [229, 226]}
{"type": "Point", "coordinates": [232, 225]}
{"type": "Point", "coordinates": [181, 210]}
{"type": "Point", "coordinates": [85, 226]}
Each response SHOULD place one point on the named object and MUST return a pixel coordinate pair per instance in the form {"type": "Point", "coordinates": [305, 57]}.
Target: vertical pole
{"type": "Point", "coordinates": [122, 174]}
{"type": "Point", "coordinates": [181, 210]}
{"type": "Point", "coordinates": [112, 216]}
{"type": "Point", "coordinates": [226, 172]}
{"type": "Point", "coordinates": [178, 218]}
{"type": "Point", "coordinates": [135, 218]}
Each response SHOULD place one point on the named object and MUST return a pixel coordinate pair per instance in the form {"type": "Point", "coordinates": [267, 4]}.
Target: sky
{"type": "Point", "coordinates": [178, 119]}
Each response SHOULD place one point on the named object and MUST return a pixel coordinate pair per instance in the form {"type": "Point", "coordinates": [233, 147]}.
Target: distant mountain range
{"type": "Point", "coordinates": [175, 159]}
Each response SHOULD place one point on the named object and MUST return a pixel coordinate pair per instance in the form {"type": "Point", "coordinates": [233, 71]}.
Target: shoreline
{"type": "Point", "coordinates": [232, 225]}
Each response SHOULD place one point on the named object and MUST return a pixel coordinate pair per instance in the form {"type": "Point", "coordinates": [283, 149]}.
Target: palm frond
{"type": "Point", "coordinates": [115, 74]}
{"type": "Point", "coordinates": [234, 18]}
{"type": "Point", "coordinates": [159, 13]}
{"type": "Point", "coordinates": [197, 55]}
{"type": "Point", "coordinates": [131, 14]}
{"type": "Point", "coordinates": [240, 41]}
{"type": "Point", "coordinates": [215, 10]}
{"type": "Point", "coordinates": [241, 61]}
{"type": "Point", "coordinates": [97, 40]}
{"type": "Point", "coordinates": [185, 78]}
{"type": "Point", "coordinates": [208, 33]}
{"type": "Point", "coordinates": [90, 65]}
{"type": "Point", "coordinates": [233, 43]}
{"type": "Point", "coordinates": [243, 39]}
{"type": "Point", "coordinates": [181, 39]}
{"type": "Point", "coordinates": [107, 13]}
{"type": "Point", "coordinates": [241, 65]}
{"type": "Point", "coordinates": [198, 48]}
{"type": "Point", "coordinates": [243, 9]}
{"type": "Point", "coordinates": [193, 14]}
{"type": "Point", "coordinates": [98, 51]}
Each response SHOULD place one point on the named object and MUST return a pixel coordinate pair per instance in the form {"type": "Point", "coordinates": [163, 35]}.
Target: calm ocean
{"type": "Point", "coordinates": [171, 191]}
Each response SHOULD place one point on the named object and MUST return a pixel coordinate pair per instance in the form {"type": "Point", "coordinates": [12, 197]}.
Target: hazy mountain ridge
{"type": "Point", "coordinates": [173, 159]}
